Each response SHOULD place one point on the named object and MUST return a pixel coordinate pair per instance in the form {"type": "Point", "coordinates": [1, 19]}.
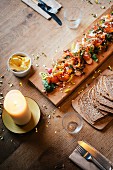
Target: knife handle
{"type": "Point", "coordinates": [97, 164]}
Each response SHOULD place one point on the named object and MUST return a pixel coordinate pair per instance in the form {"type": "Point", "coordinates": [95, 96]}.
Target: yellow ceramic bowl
{"type": "Point", "coordinates": [19, 64]}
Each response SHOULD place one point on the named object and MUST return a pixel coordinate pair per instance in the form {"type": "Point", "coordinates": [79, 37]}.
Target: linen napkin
{"type": "Point", "coordinates": [52, 3]}
{"type": "Point", "coordinates": [83, 163]}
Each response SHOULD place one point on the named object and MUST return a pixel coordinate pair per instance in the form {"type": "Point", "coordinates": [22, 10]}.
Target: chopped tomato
{"type": "Point", "coordinates": [86, 56]}
{"type": "Point", "coordinates": [54, 79]}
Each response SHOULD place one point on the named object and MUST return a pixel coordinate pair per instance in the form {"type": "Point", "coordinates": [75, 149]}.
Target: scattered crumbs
{"type": "Point", "coordinates": [44, 66]}
{"type": "Point", "coordinates": [44, 54]}
{"type": "Point", "coordinates": [54, 111]}
{"type": "Point", "coordinates": [102, 7]}
{"type": "Point", "coordinates": [1, 137]}
{"type": "Point", "coordinates": [110, 68]}
{"type": "Point", "coordinates": [58, 116]}
{"type": "Point", "coordinates": [10, 84]}
{"type": "Point", "coordinates": [55, 131]}
{"type": "Point", "coordinates": [1, 82]}
{"type": "Point", "coordinates": [20, 84]}
{"type": "Point", "coordinates": [37, 65]}
{"type": "Point", "coordinates": [47, 126]}
{"type": "Point", "coordinates": [93, 77]}
{"type": "Point", "coordinates": [1, 97]}
{"type": "Point", "coordinates": [1, 77]}
{"type": "Point", "coordinates": [36, 57]}
{"type": "Point", "coordinates": [60, 166]}
{"type": "Point", "coordinates": [49, 122]}
{"type": "Point", "coordinates": [99, 71]}
{"type": "Point", "coordinates": [36, 130]}
{"type": "Point", "coordinates": [97, 2]}
{"type": "Point", "coordinates": [80, 91]}
{"type": "Point", "coordinates": [89, 2]}
{"type": "Point", "coordinates": [32, 55]}
{"type": "Point", "coordinates": [49, 116]}
{"type": "Point", "coordinates": [94, 15]}
{"type": "Point", "coordinates": [87, 85]}
{"type": "Point", "coordinates": [44, 106]}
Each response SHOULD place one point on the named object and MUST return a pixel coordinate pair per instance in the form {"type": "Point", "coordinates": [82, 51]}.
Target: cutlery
{"type": "Point", "coordinates": [48, 10]}
{"type": "Point", "coordinates": [47, 7]}
{"type": "Point", "coordinates": [89, 157]}
{"type": "Point", "coordinates": [96, 155]}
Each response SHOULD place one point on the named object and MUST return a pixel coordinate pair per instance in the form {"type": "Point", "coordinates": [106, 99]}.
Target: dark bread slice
{"type": "Point", "coordinates": [108, 82]}
{"type": "Point", "coordinates": [101, 99]}
{"type": "Point", "coordinates": [92, 113]}
{"type": "Point", "coordinates": [97, 104]}
{"type": "Point", "coordinates": [101, 88]}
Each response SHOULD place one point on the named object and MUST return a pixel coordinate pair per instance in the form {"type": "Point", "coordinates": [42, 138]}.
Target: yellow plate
{"type": "Point", "coordinates": [35, 111]}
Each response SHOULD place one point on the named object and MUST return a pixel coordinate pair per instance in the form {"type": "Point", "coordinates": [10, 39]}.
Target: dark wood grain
{"type": "Point", "coordinates": [23, 29]}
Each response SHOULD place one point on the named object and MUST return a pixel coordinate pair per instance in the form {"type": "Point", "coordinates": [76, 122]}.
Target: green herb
{"type": "Point", "coordinates": [94, 57]}
{"type": "Point", "coordinates": [68, 56]}
{"type": "Point", "coordinates": [43, 75]}
{"type": "Point", "coordinates": [112, 13]}
{"type": "Point", "coordinates": [49, 87]}
{"type": "Point", "coordinates": [91, 50]}
{"type": "Point", "coordinates": [81, 53]}
{"type": "Point", "coordinates": [109, 37]}
{"type": "Point", "coordinates": [70, 66]}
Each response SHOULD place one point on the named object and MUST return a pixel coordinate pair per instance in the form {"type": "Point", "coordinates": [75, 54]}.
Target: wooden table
{"type": "Point", "coordinates": [47, 146]}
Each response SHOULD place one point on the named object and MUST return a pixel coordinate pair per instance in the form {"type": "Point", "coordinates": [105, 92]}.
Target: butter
{"type": "Point", "coordinates": [19, 63]}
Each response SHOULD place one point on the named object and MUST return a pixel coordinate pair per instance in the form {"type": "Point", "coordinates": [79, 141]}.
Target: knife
{"type": "Point", "coordinates": [96, 155]}
{"type": "Point", "coordinates": [44, 7]}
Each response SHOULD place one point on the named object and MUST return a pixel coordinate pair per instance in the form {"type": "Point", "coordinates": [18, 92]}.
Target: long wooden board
{"type": "Point", "coordinates": [58, 96]}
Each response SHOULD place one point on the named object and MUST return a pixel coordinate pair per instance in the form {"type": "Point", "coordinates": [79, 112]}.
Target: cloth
{"type": "Point", "coordinates": [82, 162]}
{"type": "Point", "coordinates": [52, 3]}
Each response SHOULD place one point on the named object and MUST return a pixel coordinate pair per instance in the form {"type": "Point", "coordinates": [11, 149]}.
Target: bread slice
{"type": "Point", "coordinates": [101, 88]}
{"type": "Point", "coordinates": [97, 104]}
{"type": "Point", "coordinates": [108, 83]}
{"type": "Point", "coordinates": [87, 108]}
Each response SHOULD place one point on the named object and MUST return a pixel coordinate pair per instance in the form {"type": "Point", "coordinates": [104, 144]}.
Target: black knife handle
{"type": "Point", "coordinates": [51, 14]}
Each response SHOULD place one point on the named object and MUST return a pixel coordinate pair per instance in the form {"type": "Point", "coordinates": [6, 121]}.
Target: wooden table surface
{"type": "Point", "coordinates": [47, 146]}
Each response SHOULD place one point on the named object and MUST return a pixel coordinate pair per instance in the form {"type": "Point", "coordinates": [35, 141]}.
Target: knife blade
{"type": "Point", "coordinates": [96, 155]}
{"type": "Point", "coordinates": [44, 6]}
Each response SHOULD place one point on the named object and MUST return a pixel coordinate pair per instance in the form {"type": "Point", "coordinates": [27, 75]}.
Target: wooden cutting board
{"type": "Point", "coordinates": [100, 124]}
{"type": "Point", "coordinates": [58, 96]}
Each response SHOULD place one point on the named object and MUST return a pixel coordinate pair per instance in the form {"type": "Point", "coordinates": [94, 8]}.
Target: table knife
{"type": "Point", "coordinates": [44, 6]}
{"type": "Point", "coordinates": [96, 155]}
